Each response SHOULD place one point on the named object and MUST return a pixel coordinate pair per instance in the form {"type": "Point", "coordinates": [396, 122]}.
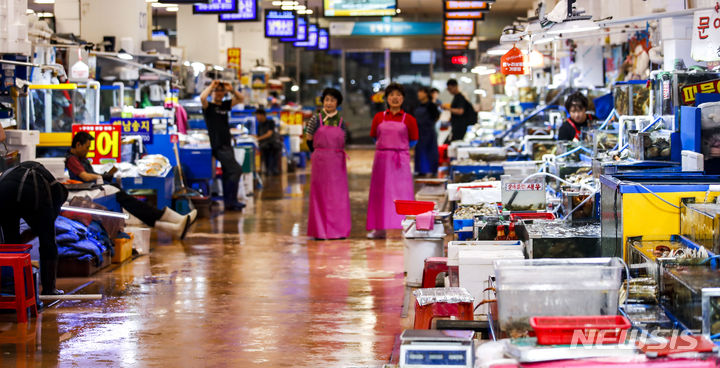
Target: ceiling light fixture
{"type": "Point", "coordinates": [575, 26]}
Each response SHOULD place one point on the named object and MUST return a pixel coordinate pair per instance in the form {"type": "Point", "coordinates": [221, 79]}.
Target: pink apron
{"type": "Point", "coordinates": [391, 176]}
{"type": "Point", "coordinates": [329, 211]}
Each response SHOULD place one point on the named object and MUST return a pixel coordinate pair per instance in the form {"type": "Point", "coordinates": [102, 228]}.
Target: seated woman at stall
{"type": "Point", "coordinates": [578, 118]}
{"type": "Point", "coordinates": [80, 169]}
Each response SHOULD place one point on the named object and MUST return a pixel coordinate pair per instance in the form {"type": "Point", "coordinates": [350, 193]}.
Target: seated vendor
{"type": "Point", "coordinates": [80, 169]}
{"type": "Point", "coordinates": [578, 118]}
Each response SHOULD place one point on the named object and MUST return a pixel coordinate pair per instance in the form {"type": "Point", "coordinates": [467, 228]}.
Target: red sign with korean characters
{"type": "Point", "coordinates": [234, 60]}
{"type": "Point", "coordinates": [106, 146]}
{"type": "Point", "coordinates": [512, 62]}
{"type": "Point", "coordinates": [706, 35]}
{"type": "Point", "coordinates": [688, 92]}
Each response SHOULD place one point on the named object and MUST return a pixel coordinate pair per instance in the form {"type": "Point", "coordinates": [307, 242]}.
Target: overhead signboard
{"type": "Point", "coordinates": [311, 39]}
{"type": "Point", "coordinates": [359, 8]}
{"type": "Point", "coordinates": [216, 7]}
{"type": "Point", "coordinates": [247, 12]}
{"type": "Point", "coordinates": [459, 27]}
{"type": "Point", "coordinates": [323, 39]}
{"type": "Point", "coordinates": [465, 14]}
{"type": "Point", "coordinates": [385, 28]}
{"type": "Point", "coordinates": [280, 23]}
{"type": "Point", "coordinates": [302, 31]}
{"type": "Point", "coordinates": [467, 5]}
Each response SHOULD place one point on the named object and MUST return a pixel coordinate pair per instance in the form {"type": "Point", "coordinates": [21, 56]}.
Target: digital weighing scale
{"type": "Point", "coordinates": [436, 348]}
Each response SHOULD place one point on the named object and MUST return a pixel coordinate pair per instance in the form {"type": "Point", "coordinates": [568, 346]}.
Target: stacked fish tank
{"type": "Point", "coordinates": [555, 287]}
{"type": "Point", "coordinates": [701, 223]}
{"type": "Point", "coordinates": [560, 239]}
{"type": "Point", "coordinates": [632, 97]}
{"type": "Point", "coordinates": [691, 294]}
{"type": "Point", "coordinates": [651, 146]}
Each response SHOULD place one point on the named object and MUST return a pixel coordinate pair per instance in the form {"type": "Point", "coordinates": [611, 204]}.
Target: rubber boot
{"type": "Point", "coordinates": [230, 189]}
{"type": "Point", "coordinates": [48, 275]}
{"type": "Point", "coordinates": [173, 217]}
{"type": "Point", "coordinates": [177, 230]}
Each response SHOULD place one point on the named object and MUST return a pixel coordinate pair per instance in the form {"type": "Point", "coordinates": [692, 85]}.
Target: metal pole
{"type": "Point", "coordinates": [343, 72]}
{"type": "Point", "coordinates": [297, 75]}
{"type": "Point", "coordinates": [387, 66]}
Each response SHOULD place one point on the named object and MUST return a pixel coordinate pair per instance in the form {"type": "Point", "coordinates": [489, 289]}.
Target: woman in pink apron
{"type": "Point", "coordinates": [329, 211]}
{"type": "Point", "coordinates": [395, 132]}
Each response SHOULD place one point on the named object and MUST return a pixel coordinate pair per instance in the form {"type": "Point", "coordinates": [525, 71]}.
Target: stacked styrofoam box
{"type": "Point", "coordinates": [23, 141]}
{"type": "Point", "coordinates": [14, 27]}
{"type": "Point", "coordinates": [295, 143]}
{"type": "Point", "coordinates": [474, 260]}
{"type": "Point", "coordinates": [55, 165]}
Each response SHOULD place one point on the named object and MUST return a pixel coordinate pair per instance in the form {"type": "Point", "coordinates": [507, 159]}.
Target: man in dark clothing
{"type": "Point", "coordinates": [30, 192]}
{"type": "Point", "coordinates": [216, 114]}
{"type": "Point", "coordinates": [269, 140]}
{"type": "Point", "coordinates": [463, 113]}
{"type": "Point", "coordinates": [80, 169]}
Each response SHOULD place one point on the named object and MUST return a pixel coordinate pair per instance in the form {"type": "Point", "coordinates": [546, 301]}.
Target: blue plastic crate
{"type": "Point", "coordinates": [197, 163]}
{"type": "Point", "coordinates": [461, 224]}
{"type": "Point", "coordinates": [464, 235]}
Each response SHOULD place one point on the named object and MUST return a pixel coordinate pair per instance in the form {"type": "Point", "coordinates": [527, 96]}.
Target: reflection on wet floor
{"type": "Point", "coordinates": [242, 290]}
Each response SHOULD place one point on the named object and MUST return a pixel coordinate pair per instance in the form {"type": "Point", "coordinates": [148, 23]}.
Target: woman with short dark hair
{"type": "Point", "coordinates": [329, 210]}
{"type": "Point", "coordinates": [395, 132]}
{"type": "Point", "coordinates": [578, 118]}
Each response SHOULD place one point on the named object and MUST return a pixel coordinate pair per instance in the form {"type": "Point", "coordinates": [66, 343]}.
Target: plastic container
{"type": "Point", "coordinates": [419, 246]}
{"type": "Point", "coordinates": [123, 249]}
{"type": "Point", "coordinates": [413, 208]}
{"type": "Point", "coordinates": [532, 216]}
{"type": "Point", "coordinates": [555, 287]}
{"type": "Point", "coordinates": [595, 329]}
{"type": "Point", "coordinates": [476, 267]}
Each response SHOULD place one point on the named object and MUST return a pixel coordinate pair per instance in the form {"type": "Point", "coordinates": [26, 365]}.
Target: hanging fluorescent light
{"type": "Point", "coordinates": [172, 9]}
{"type": "Point", "coordinates": [218, 68]}
{"type": "Point", "coordinates": [95, 212]}
{"type": "Point", "coordinates": [501, 50]}
{"type": "Point", "coordinates": [575, 26]}
{"type": "Point", "coordinates": [276, 3]}
{"type": "Point", "coordinates": [44, 1]}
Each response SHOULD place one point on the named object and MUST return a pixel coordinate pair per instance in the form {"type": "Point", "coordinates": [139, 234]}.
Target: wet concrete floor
{"type": "Point", "coordinates": [242, 290]}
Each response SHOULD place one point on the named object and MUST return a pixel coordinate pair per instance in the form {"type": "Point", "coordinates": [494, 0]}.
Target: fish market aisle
{"type": "Point", "coordinates": [242, 290]}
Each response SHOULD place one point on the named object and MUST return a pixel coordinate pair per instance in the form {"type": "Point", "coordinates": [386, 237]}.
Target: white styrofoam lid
{"type": "Point", "coordinates": [479, 257]}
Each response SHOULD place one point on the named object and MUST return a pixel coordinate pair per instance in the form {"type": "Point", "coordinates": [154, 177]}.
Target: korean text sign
{"type": "Point", "coordinates": [105, 147]}
{"type": "Point", "coordinates": [142, 127]}
{"type": "Point", "coordinates": [706, 36]}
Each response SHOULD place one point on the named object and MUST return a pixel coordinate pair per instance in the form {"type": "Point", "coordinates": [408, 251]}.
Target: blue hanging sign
{"type": "Point", "coordinates": [216, 7]}
{"type": "Point", "coordinates": [385, 28]}
{"type": "Point", "coordinates": [280, 23]}
{"type": "Point", "coordinates": [247, 12]}
{"type": "Point", "coordinates": [302, 31]}
{"type": "Point", "coordinates": [141, 127]}
{"type": "Point", "coordinates": [312, 38]}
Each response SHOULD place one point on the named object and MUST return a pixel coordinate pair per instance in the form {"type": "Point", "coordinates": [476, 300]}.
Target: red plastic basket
{"type": "Point", "coordinates": [532, 216]}
{"type": "Point", "coordinates": [412, 208]}
{"type": "Point", "coordinates": [566, 330]}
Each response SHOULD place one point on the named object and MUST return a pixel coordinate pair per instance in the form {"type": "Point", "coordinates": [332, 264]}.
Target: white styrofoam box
{"type": "Point", "coordinates": [470, 196]}
{"type": "Point", "coordinates": [420, 245]}
{"type": "Point", "coordinates": [141, 242]}
{"type": "Point", "coordinates": [453, 189]}
{"type": "Point", "coordinates": [295, 129]}
{"type": "Point", "coordinates": [692, 161]}
{"type": "Point", "coordinates": [56, 165]}
{"type": "Point", "coordinates": [239, 155]}
{"type": "Point", "coordinates": [454, 247]}
{"type": "Point", "coordinates": [295, 143]}
{"type": "Point", "coordinates": [453, 148]}
{"type": "Point", "coordinates": [17, 137]}
{"type": "Point", "coordinates": [476, 266]}
{"type": "Point", "coordinates": [27, 153]}
{"type": "Point", "coordinates": [520, 169]}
